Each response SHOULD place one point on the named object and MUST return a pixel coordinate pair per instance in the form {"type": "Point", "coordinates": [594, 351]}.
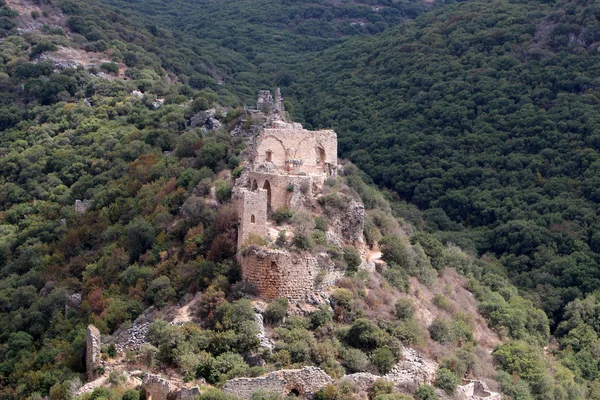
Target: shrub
{"type": "Point", "coordinates": [131, 394]}
{"type": "Point", "coordinates": [223, 191]}
{"type": "Point", "coordinates": [446, 380]}
{"type": "Point", "coordinates": [441, 302]}
{"type": "Point", "coordinates": [352, 258]}
{"type": "Point", "coordinates": [394, 250]}
{"type": "Point", "coordinates": [342, 297]}
{"type": "Point", "coordinates": [318, 237]}
{"type": "Point", "coordinates": [441, 331]}
{"type": "Point", "coordinates": [405, 309]}
{"type": "Point", "coordinates": [283, 215]}
{"type": "Point", "coordinates": [381, 387]}
{"type": "Point", "coordinates": [321, 224]}
{"type": "Point", "coordinates": [354, 360]}
{"type": "Point", "coordinates": [408, 332]}
{"type": "Point", "coordinates": [320, 317]}
{"type": "Point", "coordinates": [276, 311]}
{"type": "Point", "coordinates": [383, 359]}
{"type": "Point", "coordinates": [364, 334]}
{"type": "Point", "coordinates": [396, 277]}
{"type": "Point", "coordinates": [426, 392]}
{"type": "Point", "coordinates": [111, 68]}
{"type": "Point", "coordinates": [393, 396]}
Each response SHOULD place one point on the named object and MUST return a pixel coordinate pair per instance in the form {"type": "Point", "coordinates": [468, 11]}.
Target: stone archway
{"type": "Point", "coordinates": [320, 153]}
{"type": "Point", "coordinates": [267, 187]}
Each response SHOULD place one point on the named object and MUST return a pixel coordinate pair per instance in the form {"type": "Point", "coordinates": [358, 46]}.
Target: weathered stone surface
{"type": "Point", "coordinates": [477, 390]}
{"type": "Point", "coordinates": [92, 352]}
{"type": "Point", "coordinates": [413, 368]}
{"type": "Point", "coordinates": [81, 206]}
{"type": "Point", "coordinates": [303, 382]}
{"type": "Point", "coordinates": [156, 387]}
{"type": "Point", "coordinates": [279, 273]}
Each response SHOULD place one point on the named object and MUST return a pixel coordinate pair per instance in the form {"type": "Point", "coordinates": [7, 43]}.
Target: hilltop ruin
{"type": "Point", "coordinates": [287, 167]}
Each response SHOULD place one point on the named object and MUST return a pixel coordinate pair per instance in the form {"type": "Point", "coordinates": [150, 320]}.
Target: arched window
{"type": "Point", "coordinates": [252, 219]}
{"type": "Point", "coordinates": [273, 265]}
{"type": "Point", "coordinates": [269, 156]}
{"type": "Point", "coordinates": [254, 186]}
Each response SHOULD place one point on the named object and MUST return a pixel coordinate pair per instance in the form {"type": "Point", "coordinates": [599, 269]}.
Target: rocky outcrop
{"type": "Point", "coordinates": [159, 388]}
{"type": "Point", "coordinates": [477, 390]}
{"type": "Point", "coordinates": [414, 368]}
{"type": "Point", "coordinates": [301, 382]}
{"type": "Point", "coordinates": [92, 352]}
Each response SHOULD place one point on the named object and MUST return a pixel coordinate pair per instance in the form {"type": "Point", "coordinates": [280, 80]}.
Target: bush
{"type": "Point", "coordinates": [354, 360]}
{"type": "Point", "coordinates": [441, 331]}
{"type": "Point", "coordinates": [381, 387]}
{"type": "Point", "coordinates": [383, 359]}
{"type": "Point", "coordinates": [405, 309]}
{"type": "Point", "coordinates": [321, 224]}
{"type": "Point", "coordinates": [396, 277]}
{"type": "Point", "coordinates": [276, 311]}
{"type": "Point", "coordinates": [111, 68]}
{"type": "Point", "coordinates": [394, 250]}
{"type": "Point", "coordinates": [352, 258]}
{"type": "Point", "coordinates": [393, 396]}
{"type": "Point", "coordinates": [320, 317]}
{"type": "Point", "coordinates": [441, 302]}
{"type": "Point", "coordinates": [223, 191]}
{"type": "Point", "coordinates": [446, 380]}
{"type": "Point", "coordinates": [131, 394]}
{"type": "Point", "coordinates": [426, 392]}
{"type": "Point", "coordinates": [283, 215]}
{"type": "Point", "coordinates": [342, 297]}
{"type": "Point", "coordinates": [364, 334]}
{"type": "Point", "coordinates": [263, 394]}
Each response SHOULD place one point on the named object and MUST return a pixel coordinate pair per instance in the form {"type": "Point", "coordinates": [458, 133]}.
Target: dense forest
{"type": "Point", "coordinates": [478, 121]}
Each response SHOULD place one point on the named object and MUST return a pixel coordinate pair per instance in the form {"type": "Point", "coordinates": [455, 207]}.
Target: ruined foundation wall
{"type": "Point", "coordinates": [278, 273]}
{"type": "Point", "coordinates": [304, 382]}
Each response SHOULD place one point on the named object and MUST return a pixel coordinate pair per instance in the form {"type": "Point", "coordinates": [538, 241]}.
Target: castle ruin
{"type": "Point", "coordinates": [287, 168]}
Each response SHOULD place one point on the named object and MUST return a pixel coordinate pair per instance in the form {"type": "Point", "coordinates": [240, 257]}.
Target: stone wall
{"type": "Point", "coordinates": [279, 273]}
{"type": "Point", "coordinates": [252, 210]}
{"type": "Point", "coordinates": [302, 382]}
{"type": "Point", "coordinates": [292, 149]}
{"type": "Point", "coordinates": [92, 352]}
{"type": "Point", "coordinates": [157, 388]}
{"type": "Point", "coordinates": [276, 186]}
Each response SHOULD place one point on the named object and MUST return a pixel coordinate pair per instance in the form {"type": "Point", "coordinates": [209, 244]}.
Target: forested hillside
{"type": "Point", "coordinates": [484, 115]}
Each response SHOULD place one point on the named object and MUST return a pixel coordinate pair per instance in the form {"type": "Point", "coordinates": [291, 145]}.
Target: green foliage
{"type": "Point", "coordinates": [354, 360]}
{"type": "Point", "coordinates": [276, 311]}
{"type": "Point", "coordinates": [405, 308]}
{"type": "Point", "coordinates": [381, 387]}
{"type": "Point", "coordinates": [383, 359]}
{"type": "Point", "coordinates": [111, 68]}
{"type": "Point", "coordinates": [446, 380]}
{"type": "Point", "coordinates": [283, 215]}
{"type": "Point", "coordinates": [426, 392]}
{"type": "Point", "coordinates": [352, 258]}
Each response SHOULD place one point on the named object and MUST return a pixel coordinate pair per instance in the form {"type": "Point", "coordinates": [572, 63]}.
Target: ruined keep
{"type": "Point", "coordinates": [287, 167]}
{"type": "Point", "coordinates": [267, 104]}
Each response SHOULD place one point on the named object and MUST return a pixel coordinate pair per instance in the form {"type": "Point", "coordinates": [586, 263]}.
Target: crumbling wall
{"type": "Point", "coordinates": [92, 352]}
{"type": "Point", "coordinates": [289, 144]}
{"type": "Point", "coordinates": [157, 388]}
{"type": "Point", "coordinates": [303, 382]}
{"type": "Point", "coordinates": [279, 186]}
{"type": "Point", "coordinates": [279, 273]}
{"type": "Point", "coordinates": [252, 210]}
{"type": "Point", "coordinates": [477, 390]}
{"type": "Point", "coordinates": [81, 206]}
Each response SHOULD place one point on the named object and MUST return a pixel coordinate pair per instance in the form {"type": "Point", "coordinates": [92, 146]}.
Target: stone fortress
{"type": "Point", "coordinates": [286, 168]}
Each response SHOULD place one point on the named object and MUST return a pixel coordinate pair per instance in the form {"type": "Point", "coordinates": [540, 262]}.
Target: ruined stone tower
{"type": "Point", "coordinates": [267, 104]}
{"type": "Point", "coordinates": [288, 167]}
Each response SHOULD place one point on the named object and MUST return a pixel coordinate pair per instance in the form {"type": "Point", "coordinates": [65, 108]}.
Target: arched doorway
{"type": "Point", "coordinates": [267, 187]}
{"type": "Point", "coordinates": [320, 153]}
